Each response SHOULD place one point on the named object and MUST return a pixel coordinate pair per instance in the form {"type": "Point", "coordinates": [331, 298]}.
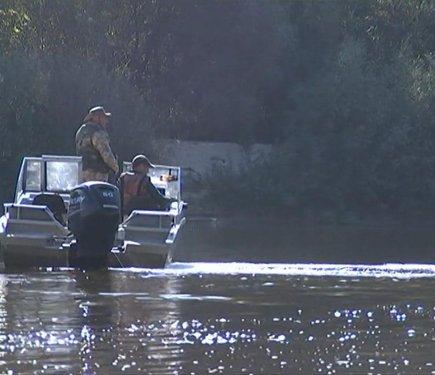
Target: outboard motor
{"type": "Point", "coordinates": [93, 218]}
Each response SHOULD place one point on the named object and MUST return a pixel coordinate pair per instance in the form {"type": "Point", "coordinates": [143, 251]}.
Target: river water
{"type": "Point", "coordinates": [220, 308]}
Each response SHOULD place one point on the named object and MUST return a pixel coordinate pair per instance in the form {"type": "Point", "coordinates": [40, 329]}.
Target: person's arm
{"type": "Point", "coordinates": [156, 196]}
{"type": "Point", "coordinates": [100, 140]}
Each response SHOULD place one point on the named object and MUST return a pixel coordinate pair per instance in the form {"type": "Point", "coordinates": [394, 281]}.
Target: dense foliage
{"type": "Point", "coordinates": [344, 89]}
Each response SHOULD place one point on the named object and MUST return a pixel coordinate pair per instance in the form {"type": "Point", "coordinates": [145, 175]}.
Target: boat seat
{"type": "Point", "coordinates": [54, 203]}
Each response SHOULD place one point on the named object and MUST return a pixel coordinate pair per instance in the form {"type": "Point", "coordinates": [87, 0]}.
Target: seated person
{"type": "Point", "coordinates": [137, 190]}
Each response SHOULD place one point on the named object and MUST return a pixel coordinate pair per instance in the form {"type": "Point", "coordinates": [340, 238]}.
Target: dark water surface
{"type": "Point", "coordinates": [229, 318]}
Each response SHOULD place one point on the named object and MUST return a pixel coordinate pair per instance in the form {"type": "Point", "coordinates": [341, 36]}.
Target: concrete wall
{"type": "Point", "coordinates": [198, 158]}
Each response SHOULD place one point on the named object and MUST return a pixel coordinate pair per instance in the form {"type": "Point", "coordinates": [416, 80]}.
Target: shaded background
{"type": "Point", "coordinates": [343, 90]}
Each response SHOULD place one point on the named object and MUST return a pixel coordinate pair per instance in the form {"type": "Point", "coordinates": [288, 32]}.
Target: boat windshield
{"type": "Point", "coordinates": [61, 176]}
{"type": "Point", "coordinates": [33, 175]}
{"type": "Point", "coordinates": [57, 174]}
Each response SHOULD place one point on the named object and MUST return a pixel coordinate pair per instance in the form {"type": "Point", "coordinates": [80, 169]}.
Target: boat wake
{"type": "Point", "coordinates": [394, 270]}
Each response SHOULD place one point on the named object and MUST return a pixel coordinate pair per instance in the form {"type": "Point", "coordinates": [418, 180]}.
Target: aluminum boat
{"type": "Point", "coordinates": [56, 220]}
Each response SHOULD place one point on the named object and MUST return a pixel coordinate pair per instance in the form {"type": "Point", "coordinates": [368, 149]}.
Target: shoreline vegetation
{"type": "Point", "coordinates": [342, 90]}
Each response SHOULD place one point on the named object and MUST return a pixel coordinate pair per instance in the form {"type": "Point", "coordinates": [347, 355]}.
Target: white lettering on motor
{"type": "Point", "coordinates": [108, 194]}
{"type": "Point", "coordinates": [78, 199]}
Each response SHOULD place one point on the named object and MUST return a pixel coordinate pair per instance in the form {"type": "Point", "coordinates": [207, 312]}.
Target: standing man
{"type": "Point", "coordinates": [92, 144]}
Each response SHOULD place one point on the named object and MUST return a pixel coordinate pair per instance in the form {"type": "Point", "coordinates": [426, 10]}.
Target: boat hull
{"type": "Point", "coordinates": [31, 253]}
{"type": "Point", "coordinates": [143, 256]}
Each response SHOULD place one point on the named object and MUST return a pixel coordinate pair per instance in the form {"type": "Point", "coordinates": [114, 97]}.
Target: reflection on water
{"type": "Point", "coordinates": [283, 242]}
{"type": "Point", "coordinates": [399, 271]}
{"type": "Point", "coordinates": [238, 317]}
{"type": "Point", "coordinates": [184, 321]}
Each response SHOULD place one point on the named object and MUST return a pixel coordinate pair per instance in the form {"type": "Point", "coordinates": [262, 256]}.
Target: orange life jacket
{"type": "Point", "coordinates": [132, 185]}
{"type": "Point", "coordinates": [139, 193]}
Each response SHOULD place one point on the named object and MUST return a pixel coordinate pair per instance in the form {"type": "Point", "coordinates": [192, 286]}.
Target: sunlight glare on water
{"type": "Point", "coordinates": [402, 271]}
{"type": "Point", "coordinates": [220, 318]}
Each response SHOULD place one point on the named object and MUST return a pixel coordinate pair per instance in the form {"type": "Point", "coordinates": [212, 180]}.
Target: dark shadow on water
{"type": "Point", "coordinates": [256, 240]}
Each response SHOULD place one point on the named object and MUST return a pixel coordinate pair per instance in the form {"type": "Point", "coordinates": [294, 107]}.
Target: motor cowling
{"type": "Point", "coordinates": [93, 218]}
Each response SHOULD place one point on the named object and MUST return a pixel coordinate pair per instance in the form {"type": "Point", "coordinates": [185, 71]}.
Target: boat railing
{"type": "Point", "coordinates": [24, 218]}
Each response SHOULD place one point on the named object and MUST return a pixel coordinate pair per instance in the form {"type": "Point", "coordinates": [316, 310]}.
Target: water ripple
{"type": "Point", "coordinates": [393, 270]}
